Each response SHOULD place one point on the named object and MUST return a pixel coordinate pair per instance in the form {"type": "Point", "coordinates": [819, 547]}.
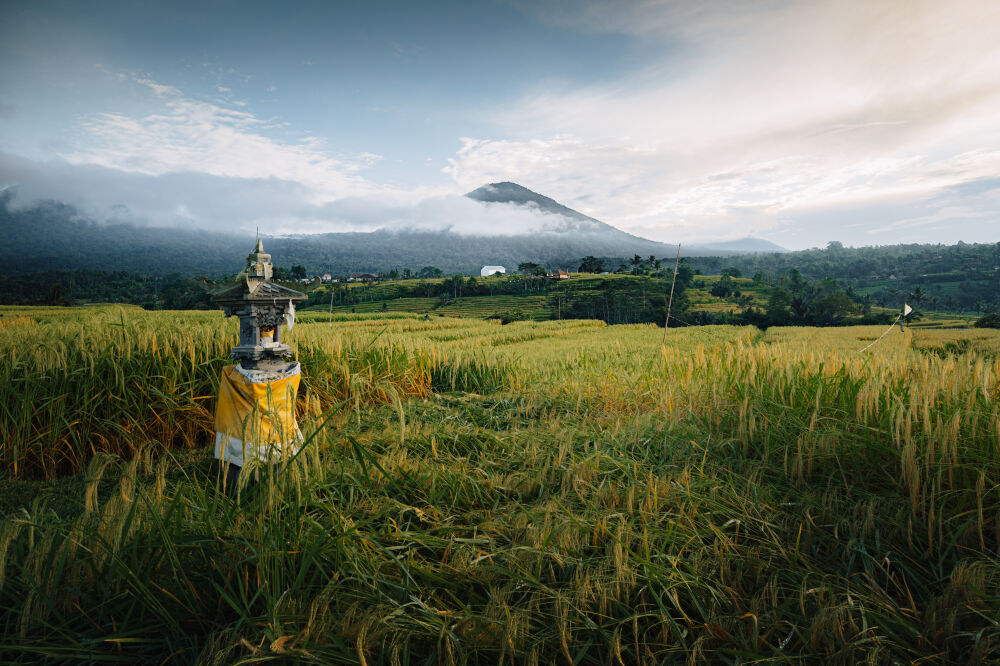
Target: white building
{"type": "Point", "coordinates": [490, 270]}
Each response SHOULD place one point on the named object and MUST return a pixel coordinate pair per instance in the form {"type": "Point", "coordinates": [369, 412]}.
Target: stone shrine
{"type": "Point", "coordinates": [263, 307]}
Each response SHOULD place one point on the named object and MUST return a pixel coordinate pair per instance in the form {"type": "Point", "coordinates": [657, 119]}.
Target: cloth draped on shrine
{"type": "Point", "coordinates": [255, 415]}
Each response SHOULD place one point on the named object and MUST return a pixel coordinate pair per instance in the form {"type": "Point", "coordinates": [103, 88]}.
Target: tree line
{"type": "Point", "coordinates": [640, 297]}
{"type": "Point", "coordinates": [958, 278]}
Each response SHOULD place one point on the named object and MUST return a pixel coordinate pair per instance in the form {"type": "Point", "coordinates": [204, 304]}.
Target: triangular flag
{"type": "Point", "coordinates": [906, 309]}
{"type": "Point", "coordinates": [290, 315]}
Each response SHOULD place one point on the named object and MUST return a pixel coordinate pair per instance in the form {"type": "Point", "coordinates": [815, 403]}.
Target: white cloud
{"type": "Point", "coordinates": [949, 208]}
{"type": "Point", "coordinates": [745, 113]}
{"type": "Point", "coordinates": [744, 117]}
{"type": "Point", "coordinates": [191, 163]}
{"type": "Point", "coordinates": [188, 162]}
{"type": "Point", "coordinates": [277, 206]}
{"type": "Point", "coordinates": [183, 135]}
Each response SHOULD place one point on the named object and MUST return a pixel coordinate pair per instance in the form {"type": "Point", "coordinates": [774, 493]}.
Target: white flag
{"type": "Point", "coordinates": [906, 310]}
{"type": "Point", "coordinates": [290, 315]}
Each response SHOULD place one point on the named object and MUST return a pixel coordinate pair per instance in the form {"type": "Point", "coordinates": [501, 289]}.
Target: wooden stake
{"type": "Point", "coordinates": [670, 303]}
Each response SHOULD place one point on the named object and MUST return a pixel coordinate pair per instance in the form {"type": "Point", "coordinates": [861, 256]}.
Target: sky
{"type": "Point", "coordinates": [870, 122]}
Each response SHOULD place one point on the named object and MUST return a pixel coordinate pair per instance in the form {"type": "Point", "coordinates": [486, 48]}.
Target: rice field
{"type": "Point", "coordinates": [533, 307]}
{"type": "Point", "coordinates": [409, 304]}
{"type": "Point", "coordinates": [540, 492]}
{"type": "Point", "coordinates": [477, 307]}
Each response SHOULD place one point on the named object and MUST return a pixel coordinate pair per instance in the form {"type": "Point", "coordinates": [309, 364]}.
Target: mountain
{"type": "Point", "coordinates": [53, 236]}
{"type": "Point", "coordinates": [746, 246]}
{"type": "Point", "coordinates": [512, 193]}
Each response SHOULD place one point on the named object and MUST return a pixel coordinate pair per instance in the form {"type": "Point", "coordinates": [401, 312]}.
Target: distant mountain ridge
{"type": "Point", "coordinates": [747, 245]}
{"type": "Point", "coordinates": [512, 193]}
{"type": "Point", "coordinates": [52, 236]}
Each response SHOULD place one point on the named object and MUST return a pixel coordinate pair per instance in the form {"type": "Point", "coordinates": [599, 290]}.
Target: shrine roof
{"type": "Point", "coordinates": [253, 290]}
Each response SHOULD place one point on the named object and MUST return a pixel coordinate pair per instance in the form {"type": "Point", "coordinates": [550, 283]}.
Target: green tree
{"type": "Point", "coordinates": [56, 294]}
{"type": "Point", "coordinates": [793, 280]}
{"type": "Point", "coordinates": [430, 272]}
{"type": "Point", "coordinates": [527, 268]}
{"type": "Point", "coordinates": [723, 287]}
{"type": "Point", "coordinates": [800, 309]}
{"type": "Point", "coordinates": [778, 304]}
{"type": "Point", "coordinates": [591, 264]}
{"type": "Point", "coordinates": [508, 316]}
{"type": "Point", "coordinates": [685, 274]}
{"type": "Point", "coordinates": [832, 308]}
{"type": "Point", "coordinates": [991, 320]}
{"type": "Point", "coordinates": [916, 297]}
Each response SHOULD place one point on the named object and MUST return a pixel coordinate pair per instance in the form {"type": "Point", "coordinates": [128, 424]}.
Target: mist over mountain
{"type": "Point", "coordinates": [512, 194]}
{"type": "Point", "coordinates": [51, 237]}
{"type": "Point", "coordinates": [55, 236]}
{"type": "Point", "coordinates": [746, 245]}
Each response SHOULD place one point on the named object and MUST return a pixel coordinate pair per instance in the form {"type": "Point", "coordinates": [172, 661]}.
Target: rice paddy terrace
{"type": "Point", "coordinates": [541, 492]}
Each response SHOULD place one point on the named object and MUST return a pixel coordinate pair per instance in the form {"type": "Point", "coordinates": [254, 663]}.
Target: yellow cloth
{"type": "Point", "coordinates": [254, 417]}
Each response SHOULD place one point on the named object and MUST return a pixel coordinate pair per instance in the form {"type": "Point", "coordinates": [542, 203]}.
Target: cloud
{"type": "Point", "coordinates": [739, 117]}
{"type": "Point", "coordinates": [975, 202]}
{"type": "Point", "coordinates": [198, 200]}
{"type": "Point", "coordinates": [186, 199]}
{"type": "Point", "coordinates": [207, 165]}
{"type": "Point", "coordinates": [453, 212]}
{"type": "Point", "coordinates": [647, 18]}
{"type": "Point", "coordinates": [197, 164]}
{"type": "Point", "coordinates": [185, 135]}
{"type": "Point", "coordinates": [749, 113]}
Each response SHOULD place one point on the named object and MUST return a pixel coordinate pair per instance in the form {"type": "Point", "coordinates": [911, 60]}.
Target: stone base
{"type": "Point", "coordinates": [245, 353]}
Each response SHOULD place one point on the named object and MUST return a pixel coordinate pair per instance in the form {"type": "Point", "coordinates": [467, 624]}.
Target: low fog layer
{"type": "Point", "coordinates": [193, 200]}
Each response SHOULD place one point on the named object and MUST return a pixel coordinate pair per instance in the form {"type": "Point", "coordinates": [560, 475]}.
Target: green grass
{"type": "Point", "coordinates": [542, 492]}
{"type": "Point", "coordinates": [480, 307]}
{"type": "Point", "coordinates": [415, 305]}
{"type": "Point", "coordinates": [387, 297]}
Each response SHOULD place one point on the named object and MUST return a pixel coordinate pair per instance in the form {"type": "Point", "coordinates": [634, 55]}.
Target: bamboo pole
{"type": "Point", "coordinates": [670, 303]}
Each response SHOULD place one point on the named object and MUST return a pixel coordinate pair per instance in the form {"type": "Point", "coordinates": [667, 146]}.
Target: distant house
{"type": "Point", "coordinates": [559, 274]}
{"type": "Point", "coordinates": [362, 277]}
{"type": "Point", "coordinates": [490, 270]}
{"type": "Point", "coordinates": [327, 278]}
